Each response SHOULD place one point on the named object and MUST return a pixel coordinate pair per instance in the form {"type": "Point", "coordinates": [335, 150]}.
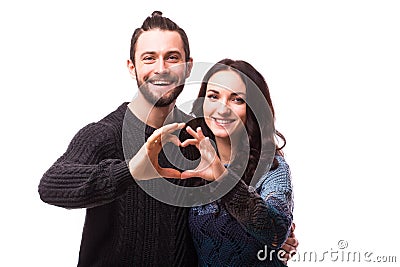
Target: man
{"type": "Point", "coordinates": [124, 225]}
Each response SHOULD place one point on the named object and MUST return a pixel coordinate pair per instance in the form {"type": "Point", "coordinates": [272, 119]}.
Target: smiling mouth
{"type": "Point", "coordinates": [161, 82]}
{"type": "Point", "coordinates": [223, 122]}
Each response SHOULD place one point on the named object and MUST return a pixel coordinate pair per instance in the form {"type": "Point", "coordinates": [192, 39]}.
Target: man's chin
{"type": "Point", "coordinates": [165, 100]}
{"type": "Point", "coordinates": [169, 98]}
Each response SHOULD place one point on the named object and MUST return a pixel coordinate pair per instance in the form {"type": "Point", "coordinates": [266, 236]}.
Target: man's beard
{"type": "Point", "coordinates": [164, 100]}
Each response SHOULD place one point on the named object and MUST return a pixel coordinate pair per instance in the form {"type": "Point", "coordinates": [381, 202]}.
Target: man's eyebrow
{"type": "Point", "coordinates": [175, 51]}
{"type": "Point", "coordinates": [148, 53]}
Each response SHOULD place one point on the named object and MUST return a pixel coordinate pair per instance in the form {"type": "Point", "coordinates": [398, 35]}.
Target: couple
{"type": "Point", "coordinates": [124, 225]}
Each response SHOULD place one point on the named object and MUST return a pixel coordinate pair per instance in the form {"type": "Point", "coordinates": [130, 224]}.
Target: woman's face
{"type": "Point", "coordinates": [224, 104]}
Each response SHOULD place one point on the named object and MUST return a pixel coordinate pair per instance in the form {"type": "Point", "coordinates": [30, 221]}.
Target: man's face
{"type": "Point", "coordinates": [160, 68]}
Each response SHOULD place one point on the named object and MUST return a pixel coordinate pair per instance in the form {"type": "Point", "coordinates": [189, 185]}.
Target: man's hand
{"type": "Point", "coordinates": [290, 245]}
{"type": "Point", "coordinates": [144, 165]}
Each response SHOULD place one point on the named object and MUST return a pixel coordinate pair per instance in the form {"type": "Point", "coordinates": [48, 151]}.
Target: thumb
{"type": "Point", "coordinates": [189, 174]}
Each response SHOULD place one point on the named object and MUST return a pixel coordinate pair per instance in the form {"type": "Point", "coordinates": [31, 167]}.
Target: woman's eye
{"type": "Point", "coordinates": [239, 100]}
{"type": "Point", "coordinates": [212, 96]}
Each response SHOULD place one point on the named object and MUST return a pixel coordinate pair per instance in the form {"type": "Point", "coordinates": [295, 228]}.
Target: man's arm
{"type": "Point", "coordinates": [89, 173]}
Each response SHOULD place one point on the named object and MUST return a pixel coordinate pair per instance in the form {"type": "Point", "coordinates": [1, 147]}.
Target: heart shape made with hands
{"type": "Point", "coordinates": [144, 165]}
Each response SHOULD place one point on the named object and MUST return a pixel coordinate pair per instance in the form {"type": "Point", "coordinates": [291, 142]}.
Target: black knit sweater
{"type": "Point", "coordinates": [124, 226]}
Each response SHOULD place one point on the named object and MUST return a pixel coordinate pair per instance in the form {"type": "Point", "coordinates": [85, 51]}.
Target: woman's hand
{"type": "Point", "coordinates": [144, 165]}
{"type": "Point", "coordinates": [210, 167]}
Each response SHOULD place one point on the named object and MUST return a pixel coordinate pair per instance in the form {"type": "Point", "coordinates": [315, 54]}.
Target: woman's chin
{"type": "Point", "coordinates": [221, 133]}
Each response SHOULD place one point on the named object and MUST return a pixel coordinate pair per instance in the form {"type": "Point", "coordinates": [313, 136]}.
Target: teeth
{"type": "Point", "coordinates": [161, 82]}
{"type": "Point", "coordinates": [222, 121]}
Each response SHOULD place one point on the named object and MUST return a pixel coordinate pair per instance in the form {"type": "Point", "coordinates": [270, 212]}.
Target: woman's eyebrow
{"type": "Point", "coordinates": [232, 94]}
{"type": "Point", "coordinates": [212, 90]}
{"type": "Point", "coordinates": [238, 93]}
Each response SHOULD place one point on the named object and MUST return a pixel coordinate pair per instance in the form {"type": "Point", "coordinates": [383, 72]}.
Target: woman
{"type": "Point", "coordinates": [248, 225]}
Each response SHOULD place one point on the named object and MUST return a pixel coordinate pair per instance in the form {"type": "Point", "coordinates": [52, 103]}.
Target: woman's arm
{"type": "Point", "coordinates": [267, 215]}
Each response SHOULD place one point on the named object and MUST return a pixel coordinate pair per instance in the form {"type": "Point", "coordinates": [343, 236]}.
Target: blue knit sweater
{"type": "Point", "coordinates": [245, 227]}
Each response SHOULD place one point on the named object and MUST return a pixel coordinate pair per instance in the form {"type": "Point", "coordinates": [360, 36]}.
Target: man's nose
{"type": "Point", "coordinates": [161, 66]}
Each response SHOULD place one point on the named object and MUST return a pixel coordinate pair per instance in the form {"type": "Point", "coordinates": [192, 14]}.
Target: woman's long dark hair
{"type": "Point", "coordinates": [254, 122]}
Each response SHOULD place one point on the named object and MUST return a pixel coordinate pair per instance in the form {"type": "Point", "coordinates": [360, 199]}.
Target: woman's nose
{"type": "Point", "coordinates": [223, 109]}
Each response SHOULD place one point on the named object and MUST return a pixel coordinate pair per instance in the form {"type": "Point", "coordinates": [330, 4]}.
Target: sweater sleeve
{"type": "Point", "coordinates": [89, 173]}
{"type": "Point", "coordinates": [266, 214]}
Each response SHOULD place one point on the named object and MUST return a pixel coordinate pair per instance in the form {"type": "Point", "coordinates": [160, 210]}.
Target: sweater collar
{"type": "Point", "coordinates": [133, 121]}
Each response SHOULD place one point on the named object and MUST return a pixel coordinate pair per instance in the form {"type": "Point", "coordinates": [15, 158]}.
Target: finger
{"type": "Point", "coordinates": [189, 174]}
{"type": "Point", "coordinates": [192, 132]}
{"type": "Point", "coordinates": [200, 133]}
{"type": "Point", "coordinates": [292, 241]}
{"type": "Point", "coordinates": [292, 235]}
{"type": "Point", "coordinates": [154, 138]}
{"type": "Point", "coordinates": [288, 248]}
{"type": "Point", "coordinates": [169, 173]}
{"type": "Point", "coordinates": [153, 144]}
{"type": "Point", "coordinates": [173, 139]}
{"type": "Point", "coordinates": [206, 141]}
{"type": "Point", "coordinates": [170, 128]}
{"type": "Point", "coordinates": [162, 133]}
{"type": "Point", "coordinates": [188, 142]}
{"type": "Point", "coordinates": [206, 146]}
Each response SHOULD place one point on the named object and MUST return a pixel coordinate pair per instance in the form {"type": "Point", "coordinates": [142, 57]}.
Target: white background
{"type": "Point", "coordinates": [332, 67]}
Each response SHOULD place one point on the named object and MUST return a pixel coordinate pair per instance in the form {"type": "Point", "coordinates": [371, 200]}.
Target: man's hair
{"type": "Point", "coordinates": [157, 21]}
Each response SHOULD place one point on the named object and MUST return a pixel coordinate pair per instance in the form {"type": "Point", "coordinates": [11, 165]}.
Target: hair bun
{"type": "Point", "coordinates": [156, 14]}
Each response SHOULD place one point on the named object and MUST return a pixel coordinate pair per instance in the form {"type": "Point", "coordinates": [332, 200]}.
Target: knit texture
{"type": "Point", "coordinates": [124, 226]}
{"type": "Point", "coordinates": [232, 230]}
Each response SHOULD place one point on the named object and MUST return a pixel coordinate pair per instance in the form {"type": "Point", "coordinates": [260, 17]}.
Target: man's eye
{"type": "Point", "coordinates": [173, 58]}
{"type": "Point", "coordinates": [148, 59]}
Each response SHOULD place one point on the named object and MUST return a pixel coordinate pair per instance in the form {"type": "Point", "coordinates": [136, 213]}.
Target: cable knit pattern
{"type": "Point", "coordinates": [231, 231]}
{"type": "Point", "coordinates": [124, 226]}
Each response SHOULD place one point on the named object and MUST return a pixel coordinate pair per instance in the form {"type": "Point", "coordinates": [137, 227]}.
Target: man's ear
{"type": "Point", "coordinates": [131, 68]}
{"type": "Point", "coordinates": [189, 66]}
